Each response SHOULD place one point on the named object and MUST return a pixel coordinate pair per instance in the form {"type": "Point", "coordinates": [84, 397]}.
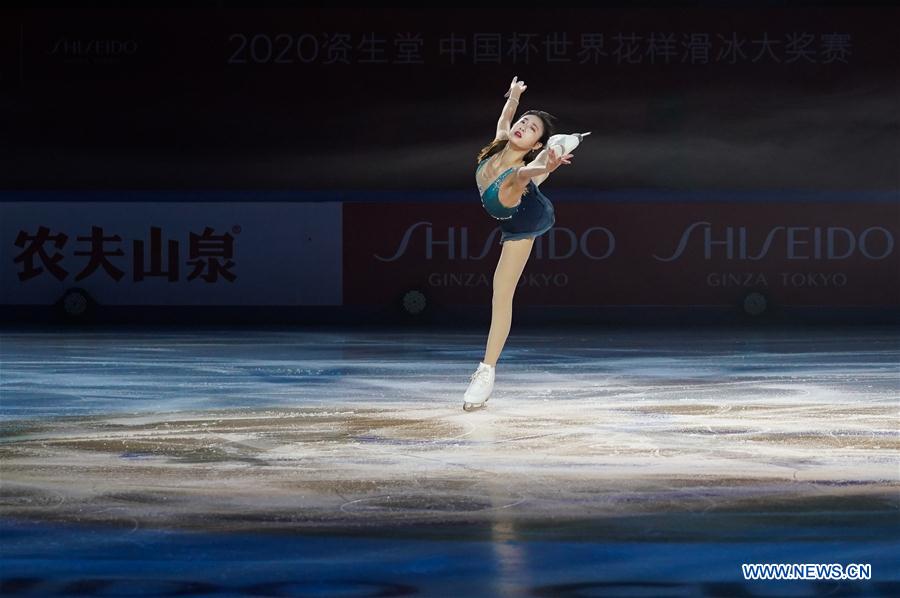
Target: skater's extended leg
{"type": "Point", "coordinates": [513, 256]}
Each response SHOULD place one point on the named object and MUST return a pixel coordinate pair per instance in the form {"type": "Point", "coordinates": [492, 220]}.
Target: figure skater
{"type": "Point", "coordinates": [508, 174]}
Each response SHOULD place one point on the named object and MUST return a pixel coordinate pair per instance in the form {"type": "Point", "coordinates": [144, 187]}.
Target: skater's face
{"type": "Point", "coordinates": [525, 134]}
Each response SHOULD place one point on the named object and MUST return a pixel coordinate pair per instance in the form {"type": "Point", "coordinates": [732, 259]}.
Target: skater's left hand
{"type": "Point", "coordinates": [554, 159]}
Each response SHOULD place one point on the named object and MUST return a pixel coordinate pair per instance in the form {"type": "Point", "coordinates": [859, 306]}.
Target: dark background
{"type": "Point", "coordinates": [175, 113]}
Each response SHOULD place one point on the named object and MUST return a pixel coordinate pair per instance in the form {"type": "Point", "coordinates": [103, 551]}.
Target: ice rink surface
{"type": "Point", "coordinates": [645, 462]}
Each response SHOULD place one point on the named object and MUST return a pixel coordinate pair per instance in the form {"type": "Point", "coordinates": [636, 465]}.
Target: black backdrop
{"type": "Point", "coordinates": [216, 95]}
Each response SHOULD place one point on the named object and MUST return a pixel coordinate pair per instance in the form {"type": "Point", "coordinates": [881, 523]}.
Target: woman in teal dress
{"type": "Point", "coordinates": [508, 174]}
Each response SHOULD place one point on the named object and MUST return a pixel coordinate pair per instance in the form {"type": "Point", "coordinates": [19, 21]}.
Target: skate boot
{"type": "Point", "coordinates": [480, 386]}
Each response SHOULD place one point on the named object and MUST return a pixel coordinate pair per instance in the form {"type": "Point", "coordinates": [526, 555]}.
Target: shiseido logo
{"type": "Point", "coordinates": [93, 48]}
{"type": "Point", "coordinates": [791, 242]}
{"type": "Point", "coordinates": [594, 243]}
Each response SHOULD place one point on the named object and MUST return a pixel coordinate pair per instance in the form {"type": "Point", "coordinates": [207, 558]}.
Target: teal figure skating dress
{"type": "Point", "coordinates": [533, 216]}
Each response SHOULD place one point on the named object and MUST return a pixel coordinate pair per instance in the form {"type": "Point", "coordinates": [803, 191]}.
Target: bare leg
{"type": "Point", "coordinates": [513, 256]}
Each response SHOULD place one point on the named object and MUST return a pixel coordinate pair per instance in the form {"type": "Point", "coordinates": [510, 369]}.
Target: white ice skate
{"type": "Point", "coordinates": [566, 143]}
{"type": "Point", "coordinates": [480, 386]}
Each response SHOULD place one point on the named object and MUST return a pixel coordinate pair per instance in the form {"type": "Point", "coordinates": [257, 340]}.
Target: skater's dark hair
{"type": "Point", "coordinates": [496, 146]}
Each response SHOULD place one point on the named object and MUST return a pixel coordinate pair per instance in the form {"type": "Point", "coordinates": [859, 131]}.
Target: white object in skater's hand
{"type": "Point", "coordinates": [566, 142]}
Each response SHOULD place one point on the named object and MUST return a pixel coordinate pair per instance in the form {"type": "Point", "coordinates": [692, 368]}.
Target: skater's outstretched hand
{"type": "Point", "coordinates": [554, 159]}
{"type": "Point", "coordinates": [516, 88]}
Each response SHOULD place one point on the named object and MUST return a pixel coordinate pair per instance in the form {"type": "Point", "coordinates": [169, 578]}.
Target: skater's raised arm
{"type": "Point", "coordinates": [516, 88]}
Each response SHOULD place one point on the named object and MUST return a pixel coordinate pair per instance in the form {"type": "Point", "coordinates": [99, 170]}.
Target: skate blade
{"type": "Point", "coordinates": [474, 406]}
